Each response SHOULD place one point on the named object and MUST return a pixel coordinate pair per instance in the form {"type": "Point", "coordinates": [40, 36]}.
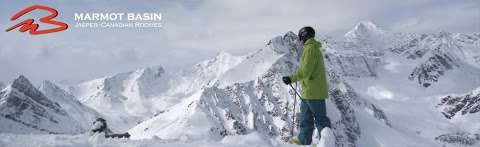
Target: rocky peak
{"type": "Point", "coordinates": [290, 37]}
{"type": "Point", "coordinates": [363, 30]}
{"type": "Point", "coordinates": [366, 26]}
{"type": "Point", "coordinates": [26, 105]}
{"type": "Point", "coordinates": [287, 43]}
{"type": "Point", "coordinates": [153, 71]}
{"type": "Point", "coordinates": [23, 85]}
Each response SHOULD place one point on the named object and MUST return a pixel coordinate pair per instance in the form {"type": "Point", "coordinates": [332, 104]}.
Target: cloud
{"type": "Point", "coordinates": [248, 24]}
{"type": "Point", "coordinates": [195, 30]}
{"type": "Point", "coordinates": [461, 17]}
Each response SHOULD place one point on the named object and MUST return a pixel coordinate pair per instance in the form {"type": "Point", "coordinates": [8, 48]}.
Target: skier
{"type": "Point", "coordinates": [312, 76]}
{"type": "Point", "coordinates": [100, 126]}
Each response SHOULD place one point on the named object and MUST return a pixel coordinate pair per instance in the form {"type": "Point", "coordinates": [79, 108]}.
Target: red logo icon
{"type": "Point", "coordinates": [29, 25]}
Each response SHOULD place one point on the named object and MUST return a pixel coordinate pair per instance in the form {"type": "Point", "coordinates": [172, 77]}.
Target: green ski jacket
{"type": "Point", "coordinates": [311, 72]}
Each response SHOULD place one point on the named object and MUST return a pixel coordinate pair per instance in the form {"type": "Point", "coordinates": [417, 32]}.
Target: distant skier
{"type": "Point", "coordinates": [312, 77]}
{"type": "Point", "coordinates": [100, 126]}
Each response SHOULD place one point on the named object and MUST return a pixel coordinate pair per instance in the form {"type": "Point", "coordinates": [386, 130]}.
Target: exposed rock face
{"type": "Point", "coordinates": [240, 109]}
{"type": "Point", "coordinates": [463, 138]}
{"type": "Point", "coordinates": [347, 129]}
{"type": "Point", "coordinates": [23, 104]}
{"type": "Point", "coordinates": [429, 72]}
{"type": "Point", "coordinates": [437, 53]}
{"type": "Point", "coordinates": [24, 86]}
{"type": "Point", "coordinates": [460, 104]}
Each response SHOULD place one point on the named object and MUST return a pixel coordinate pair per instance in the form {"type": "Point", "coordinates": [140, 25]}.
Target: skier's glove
{"type": "Point", "coordinates": [286, 80]}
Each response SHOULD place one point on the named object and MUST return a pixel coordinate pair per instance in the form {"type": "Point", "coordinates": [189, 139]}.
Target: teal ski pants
{"type": "Point", "coordinates": [312, 113]}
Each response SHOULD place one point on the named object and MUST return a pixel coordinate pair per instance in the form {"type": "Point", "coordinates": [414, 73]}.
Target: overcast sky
{"type": "Point", "coordinates": [195, 30]}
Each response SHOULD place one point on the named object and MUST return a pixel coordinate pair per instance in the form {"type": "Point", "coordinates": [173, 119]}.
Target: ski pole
{"type": "Point", "coordinates": [294, 107]}
{"type": "Point", "coordinates": [295, 91]}
{"type": "Point", "coordinates": [294, 110]}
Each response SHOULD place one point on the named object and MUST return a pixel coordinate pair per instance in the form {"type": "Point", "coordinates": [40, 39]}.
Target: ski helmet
{"type": "Point", "coordinates": [306, 33]}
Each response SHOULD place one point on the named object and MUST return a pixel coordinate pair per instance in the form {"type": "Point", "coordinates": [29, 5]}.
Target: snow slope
{"type": "Point", "coordinates": [79, 112]}
{"type": "Point", "coordinates": [84, 140]}
{"type": "Point", "coordinates": [203, 74]}
{"type": "Point", "coordinates": [124, 99]}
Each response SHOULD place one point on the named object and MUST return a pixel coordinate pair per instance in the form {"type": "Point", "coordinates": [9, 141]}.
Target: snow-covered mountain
{"type": "Point", "coordinates": [440, 53]}
{"type": "Point", "coordinates": [258, 101]}
{"type": "Point", "coordinates": [124, 99]}
{"type": "Point", "coordinates": [24, 109]}
{"type": "Point", "coordinates": [435, 65]}
{"type": "Point", "coordinates": [367, 76]}
{"type": "Point", "coordinates": [363, 33]}
{"type": "Point", "coordinates": [385, 88]}
{"type": "Point", "coordinates": [225, 108]}
{"type": "Point", "coordinates": [80, 113]}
